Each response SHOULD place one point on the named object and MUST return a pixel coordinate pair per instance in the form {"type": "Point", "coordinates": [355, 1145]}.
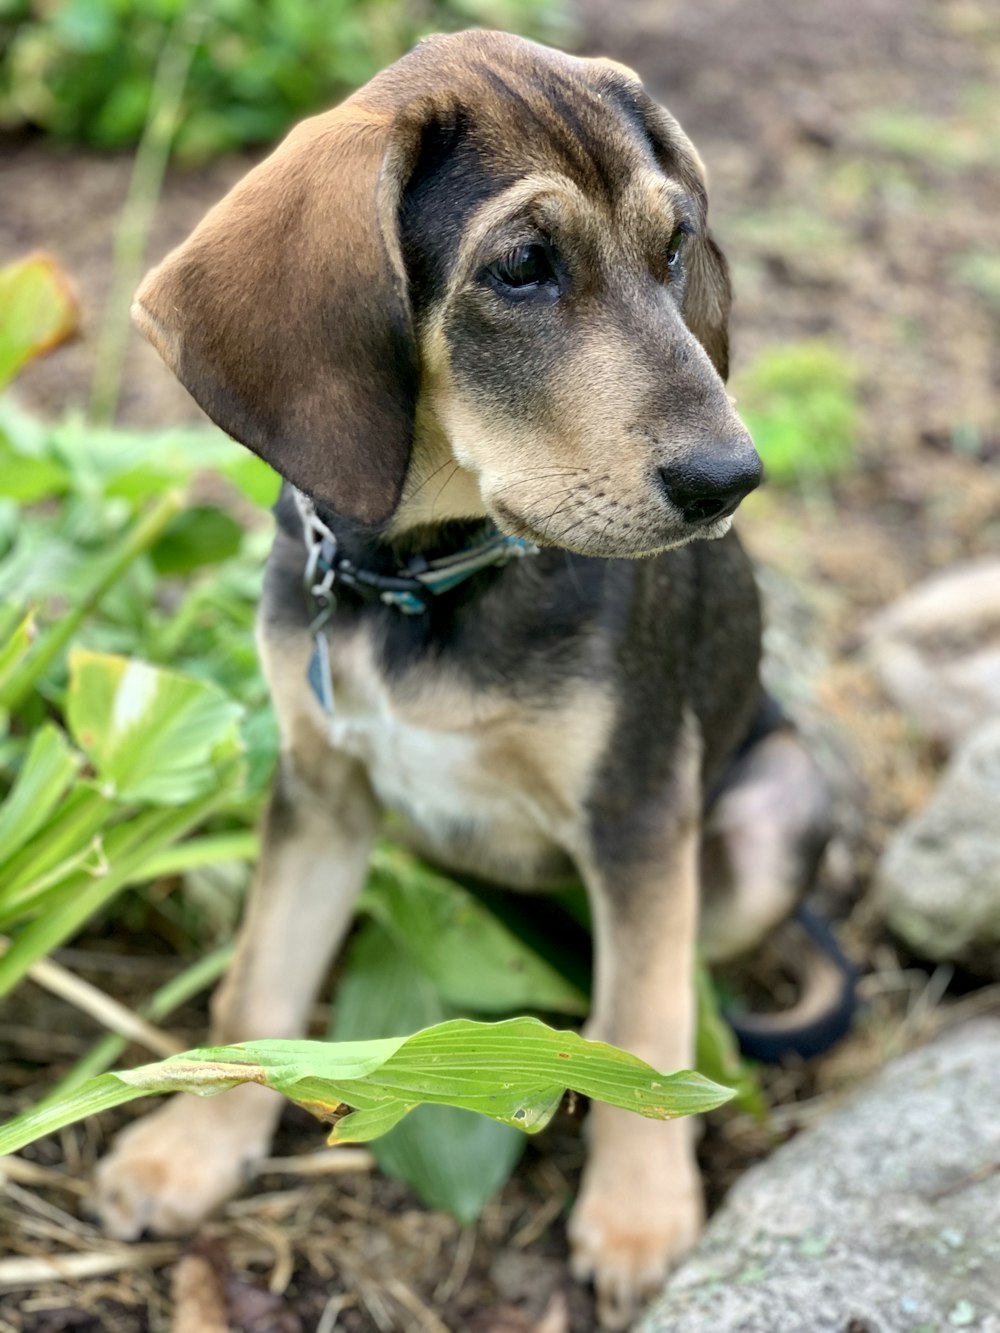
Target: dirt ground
{"type": "Point", "coordinates": [855, 171]}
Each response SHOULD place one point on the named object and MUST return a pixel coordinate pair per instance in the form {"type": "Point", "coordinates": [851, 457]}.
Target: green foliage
{"type": "Point", "coordinates": [516, 1072]}
{"type": "Point", "coordinates": [84, 69]}
{"type": "Point", "coordinates": [164, 754]}
{"type": "Point", "coordinates": [800, 403]}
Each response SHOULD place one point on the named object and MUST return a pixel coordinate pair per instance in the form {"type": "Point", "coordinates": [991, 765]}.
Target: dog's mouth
{"type": "Point", "coordinates": [631, 542]}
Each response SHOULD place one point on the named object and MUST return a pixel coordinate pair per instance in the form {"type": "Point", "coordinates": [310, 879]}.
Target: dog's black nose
{"type": "Point", "coordinates": [710, 486]}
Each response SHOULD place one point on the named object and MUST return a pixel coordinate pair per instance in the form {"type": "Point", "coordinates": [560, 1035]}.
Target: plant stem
{"type": "Point", "coordinates": [151, 158]}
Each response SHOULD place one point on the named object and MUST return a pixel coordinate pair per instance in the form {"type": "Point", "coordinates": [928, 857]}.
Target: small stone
{"type": "Point", "coordinates": [936, 650]}
{"type": "Point", "coordinates": [939, 880]}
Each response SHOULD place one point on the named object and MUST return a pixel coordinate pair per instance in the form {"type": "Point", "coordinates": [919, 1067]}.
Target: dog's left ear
{"type": "Point", "coordinates": [708, 294]}
{"type": "Point", "coordinates": [285, 314]}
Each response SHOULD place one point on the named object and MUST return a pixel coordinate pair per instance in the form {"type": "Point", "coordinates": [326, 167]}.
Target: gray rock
{"type": "Point", "coordinates": [936, 650]}
{"type": "Point", "coordinates": [885, 1217]}
{"type": "Point", "coordinates": [939, 880]}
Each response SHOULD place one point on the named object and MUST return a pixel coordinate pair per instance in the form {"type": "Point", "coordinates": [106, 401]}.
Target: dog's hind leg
{"type": "Point", "coordinates": [171, 1168]}
{"type": "Point", "coordinates": [763, 837]}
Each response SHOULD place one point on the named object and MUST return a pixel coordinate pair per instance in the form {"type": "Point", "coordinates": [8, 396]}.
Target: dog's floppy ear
{"type": "Point", "coordinates": [707, 299]}
{"type": "Point", "coordinates": [708, 294]}
{"type": "Point", "coordinates": [285, 314]}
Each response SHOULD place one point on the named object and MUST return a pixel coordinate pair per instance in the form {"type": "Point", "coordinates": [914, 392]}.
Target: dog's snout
{"type": "Point", "coordinates": [711, 485]}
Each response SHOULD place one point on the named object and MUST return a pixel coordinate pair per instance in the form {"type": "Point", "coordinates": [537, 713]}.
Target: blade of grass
{"type": "Point", "coordinates": [151, 157]}
{"type": "Point", "coordinates": [211, 850]}
{"type": "Point", "coordinates": [128, 848]}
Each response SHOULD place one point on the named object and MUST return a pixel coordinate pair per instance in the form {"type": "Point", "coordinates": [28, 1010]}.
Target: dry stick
{"type": "Point", "coordinates": [31, 1272]}
{"type": "Point", "coordinates": [177, 991]}
{"type": "Point", "coordinates": [324, 1162]}
{"type": "Point", "coordinates": [108, 1012]}
{"type": "Point", "coordinates": [151, 158]}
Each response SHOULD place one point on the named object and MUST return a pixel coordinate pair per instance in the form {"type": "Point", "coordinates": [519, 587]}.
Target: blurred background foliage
{"type": "Point", "coordinates": [84, 69]}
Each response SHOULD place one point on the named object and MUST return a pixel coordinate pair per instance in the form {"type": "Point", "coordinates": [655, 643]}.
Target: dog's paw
{"type": "Point", "coordinates": [628, 1251]}
{"type": "Point", "coordinates": [626, 1241]}
{"type": "Point", "coordinates": [172, 1168]}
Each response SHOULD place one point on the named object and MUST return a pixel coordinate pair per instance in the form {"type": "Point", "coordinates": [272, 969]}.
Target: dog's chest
{"type": "Point", "coordinates": [457, 769]}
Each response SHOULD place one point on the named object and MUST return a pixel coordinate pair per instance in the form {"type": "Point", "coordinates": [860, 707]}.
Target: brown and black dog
{"type": "Point", "coordinates": [480, 298]}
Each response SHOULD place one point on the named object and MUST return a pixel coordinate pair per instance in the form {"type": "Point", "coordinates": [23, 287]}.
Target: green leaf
{"type": "Point", "coordinates": [474, 961]}
{"type": "Point", "coordinates": [28, 479]}
{"type": "Point", "coordinates": [515, 1072]}
{"type": "Point", "coordinates": [18, 636]}
{"type": "Point", "coordinates": [451, 1158]}
{"type": "Point", "coordinates": [42, 783]}
{"type": "Point", "coordinates": [151, 734]}
{"type": "Point", "coordinates": [38, 311]}
{"type": "Point", "coordinates": [198, 536]}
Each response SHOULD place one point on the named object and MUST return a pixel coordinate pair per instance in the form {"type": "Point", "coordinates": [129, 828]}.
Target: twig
{"type": "Point", "coordinates": [31, 1173]}
{"type": "Point", "coordinates": [110, 1013]}
{"type": "Point", "coordinates": [24, 1272]}
{"type": "Point", "coordinates": [325, 1162]}
{"type": "Point", "coordinates": [20, 1272]}
{"type": "Point", "coordinates": [412, 1303]}
{"type": "Point", "coordinates": [161, 1004]}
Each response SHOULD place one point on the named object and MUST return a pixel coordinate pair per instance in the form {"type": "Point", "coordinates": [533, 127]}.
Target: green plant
{"type": "Point", "coordinates": [800, 403]}
{"type": "Point", "coordinates": [83, 69]}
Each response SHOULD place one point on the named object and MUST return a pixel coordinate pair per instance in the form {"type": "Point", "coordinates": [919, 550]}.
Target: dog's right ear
{"type": "Point", "coordinates": [285, 314]}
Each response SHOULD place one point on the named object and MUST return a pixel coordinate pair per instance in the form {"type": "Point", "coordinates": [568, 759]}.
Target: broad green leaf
{"type": "Point", "coordinates": [48, 770]}
{"type": "Point", "coordinates": [38, 311]}
{"type": "Point", "coordinates": [198, 536]}
{"type": "Point", "coordinates": [28, 479]}
{"type": "Point", "coordinates": [516, 1072]}
{"type": "Point", "coordinates": [151, 734]}
{"type": "Point", "coordinates": [474, 961]}
{"type": "Point", "coordinates": [451, 1158]}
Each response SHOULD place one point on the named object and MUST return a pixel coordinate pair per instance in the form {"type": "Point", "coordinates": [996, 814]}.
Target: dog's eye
{"type": "Point", "coordinates": [527, 266]}
{"type": "Point", "coordinates": [675, 246]}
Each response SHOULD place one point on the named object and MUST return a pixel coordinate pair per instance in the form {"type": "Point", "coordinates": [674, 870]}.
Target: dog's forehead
{"type": "Point", "coordinates": [528, 106]}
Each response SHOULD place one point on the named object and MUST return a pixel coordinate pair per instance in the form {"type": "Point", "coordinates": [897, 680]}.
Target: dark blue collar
{"type": "Point", "coordinates": [409, 590]}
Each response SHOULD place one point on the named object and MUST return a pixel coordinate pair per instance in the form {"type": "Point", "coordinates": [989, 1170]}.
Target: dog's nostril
{"type": "Point", "coordinates": [710, 487]}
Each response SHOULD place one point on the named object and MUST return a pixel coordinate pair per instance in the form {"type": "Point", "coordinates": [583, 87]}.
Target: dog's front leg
{"type": "Point", "coordinates": [640, 1206]}
{"type": "Point", "coordinates": [171, 1168]}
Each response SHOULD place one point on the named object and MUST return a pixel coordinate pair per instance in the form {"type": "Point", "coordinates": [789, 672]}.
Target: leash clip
{"type": "Point", "coordinates": [318, 578]}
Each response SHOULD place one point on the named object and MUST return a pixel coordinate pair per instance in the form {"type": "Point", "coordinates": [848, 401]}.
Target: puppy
{"type": "Point", "coordinates": [474, 318]}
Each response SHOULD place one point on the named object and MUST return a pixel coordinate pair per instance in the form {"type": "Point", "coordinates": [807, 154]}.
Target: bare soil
{"type": "Point", "coordinates": [854, 165]}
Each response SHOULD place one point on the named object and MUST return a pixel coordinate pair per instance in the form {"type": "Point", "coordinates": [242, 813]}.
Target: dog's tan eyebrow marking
{"type": "Point", "coordinates": [555, 194]}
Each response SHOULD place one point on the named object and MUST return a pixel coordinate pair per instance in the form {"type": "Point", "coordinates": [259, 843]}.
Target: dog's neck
{"type": "Point", "coordinates": [387, 548]}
